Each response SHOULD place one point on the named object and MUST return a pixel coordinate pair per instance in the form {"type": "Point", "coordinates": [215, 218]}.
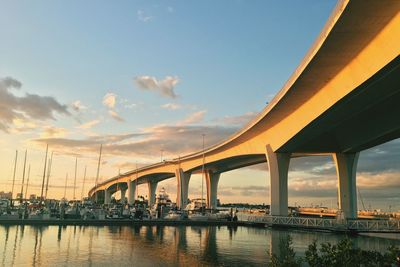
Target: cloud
{"type": "Point", "coordinates": [193, 118]}
{"type": "Point", "coordinates": [28, 107]}
{"type": "Point", "coordinates": [127, 104]}
{"type": "Point", "coordinates": [87, 145]}
{"type": "Point", "coordinates": [245, 191]}
{"type": "Point", "coordinates": [21, 125]}
{"type": "Point", "coordinates": [240, 120]}
{"type": "Point", "coordinates": [51, 131]}
{"type": "Point", "coordinates": [128, 165]}
{"type": "Point", "coordinates": [145, 144]}
{"type": "Point", "coordinates": [78, 106]}
{"type": "Point", "coordinates": [115, 116]}
{"type": "Point", "coordinates": [109, 100]}
{"type": "Point", "coordinates": [89, 124]}
{"type": "Point", "coordinates": [143, 17]}
{"type": "Point", "coordinates": [171, 106]}
{"type": "Point", "coordinates": [165, 87]}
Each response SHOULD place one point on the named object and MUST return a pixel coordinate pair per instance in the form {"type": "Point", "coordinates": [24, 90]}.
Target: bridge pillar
{"type": "Point", "coordinates": [182, 194]}
{"type": "Point", "coordinates": [123, 195]}
{"type": "Point", "coordinates": [152, 186]}
{"type": "Point", "coordinates": [212, 180]}
{"type": "Point", "coordinates": [278, 164]}
{"type": "Point", "coordinates": [346, 168]}
{"type": "Point", "coordinates": [131, 192]}
{"type": "Point", "coordinates": [107, 196]}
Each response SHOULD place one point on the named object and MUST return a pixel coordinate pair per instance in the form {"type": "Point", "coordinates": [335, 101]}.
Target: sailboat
{"type": "Point", "coordinates": [200, 215]}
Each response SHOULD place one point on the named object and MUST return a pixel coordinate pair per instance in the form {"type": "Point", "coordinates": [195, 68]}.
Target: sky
{"type": "Point", "coordinates": [147, 79]}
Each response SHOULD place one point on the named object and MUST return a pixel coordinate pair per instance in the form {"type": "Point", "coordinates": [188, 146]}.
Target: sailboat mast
{"type": "Point", "coordinates": [48, 173]}
{"type": "Point", "coordinates": [21, 197]}
{"type": "Point", "coordinates": [202, 176]}
{"type": "Point", "coordinates": [76, 166]}
{"type": "Point", "coordinates": [136, 182]}
{"type": "Point", "coordinates": [362, 201]}
{"type": "Point", "coordinates": [65, 187]}
{"type": "Point", "coordinates": [83, 184]}
{"type": "Point", "coordinates": [15, 168]}
{"type": "Point", "coordinates": [98, 169]}
{"type": "Point", "coordinates": [27, 182]}
{"type": "Point", "coordinates": [44, 173]}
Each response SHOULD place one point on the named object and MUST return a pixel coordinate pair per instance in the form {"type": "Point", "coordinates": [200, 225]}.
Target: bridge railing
{"type": "Point", "coordinates": [374, 225]}
{"type": "Point", "coordinates": [329, 224]}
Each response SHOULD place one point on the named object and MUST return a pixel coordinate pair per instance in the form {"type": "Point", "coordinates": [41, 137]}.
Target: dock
{"type": "Point", "coordinates": [331, 225]}
{"type": "Point", "coordinates": [352, 226]}
{"type": "Point", "coordinates": [122, 222]}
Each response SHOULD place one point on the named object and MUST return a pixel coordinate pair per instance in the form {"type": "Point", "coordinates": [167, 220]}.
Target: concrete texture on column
{"type": "Point", "coordinates": [212, 180]}
{"type": "Point", "coordinates": [131, 192]}
{"type": "Point", "coordinates": [107, 196]}
{"type": "Point", "coordinates": [278, 164]}
{"type": "Point", "coordinates": [123, 195]}
{"type": "Point", "coordinates": [346, 168]}
{"type": "Point", "coordinates": [152, 186]}
{"type": "Point", "coordinates": [182, 194]}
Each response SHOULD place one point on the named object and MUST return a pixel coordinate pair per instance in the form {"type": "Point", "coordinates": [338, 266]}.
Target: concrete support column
{"type": "Point", "coordinates": [278, 164]}
{"type": "Point", "coordinates": [131, 192]}
{"type": "Point", "coordinates": [123, 195]}
{"type": "Point", "coordinates": [346, 167]}
{"type": "Point", "coordinates": [152, 186]}
{"type": "Point", "coordinates": [182, 194]}
{"type": "Point", "coordinates": [212, 180]}
{"type": "Point", "coordinates": [107, 196]}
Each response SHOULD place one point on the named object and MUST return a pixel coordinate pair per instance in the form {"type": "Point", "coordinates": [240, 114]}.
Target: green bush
{"type": "Point", "coordinates": [341, 255]}
{"type": "Point", "coordinates": [287, 256]}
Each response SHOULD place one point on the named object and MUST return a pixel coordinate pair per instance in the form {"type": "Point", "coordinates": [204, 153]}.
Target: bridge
{"type": "Point", "coordinates": [343, 98]}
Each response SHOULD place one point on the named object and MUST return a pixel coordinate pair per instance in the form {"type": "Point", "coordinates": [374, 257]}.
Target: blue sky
{"type": "Point", "coordinates": [130, 73]}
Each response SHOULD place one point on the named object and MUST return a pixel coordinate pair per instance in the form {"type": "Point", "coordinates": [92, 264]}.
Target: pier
{"type": "Point", "coordinates": [352, 226]}
{"type": "Point", "coordinates": [324, 224]}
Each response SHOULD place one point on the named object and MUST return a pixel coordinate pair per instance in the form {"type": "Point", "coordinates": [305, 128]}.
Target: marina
{"type": "Point", "coordinates": [210, 133]}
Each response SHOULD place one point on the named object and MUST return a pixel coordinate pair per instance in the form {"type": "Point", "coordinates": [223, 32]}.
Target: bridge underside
{"type": "Point", "coordinates": [232, 163]}
{"type": "Point", "coordinates": [367, 117]}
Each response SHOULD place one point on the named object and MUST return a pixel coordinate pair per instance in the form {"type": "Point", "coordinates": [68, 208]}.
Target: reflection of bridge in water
{"type": "Point", "coordinates": [155, 245]}
{"type": "Point", "coordinates": [342, 99]}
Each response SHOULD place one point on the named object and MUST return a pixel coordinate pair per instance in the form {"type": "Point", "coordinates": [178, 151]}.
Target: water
{"type": "Point", "coordinates": [156, 245]}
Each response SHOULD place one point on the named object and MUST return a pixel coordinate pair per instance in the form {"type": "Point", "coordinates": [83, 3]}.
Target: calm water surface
{"type": "Point", "coordinates": [156, 245]}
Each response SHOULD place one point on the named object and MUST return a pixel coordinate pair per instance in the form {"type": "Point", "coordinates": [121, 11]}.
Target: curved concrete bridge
{"type": "Point", "coordinates": [343, 98]}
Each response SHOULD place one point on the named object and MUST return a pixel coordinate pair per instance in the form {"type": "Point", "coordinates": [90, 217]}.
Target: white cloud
{"type": "Point", "coordinates": [109, 100]}
{"type": "Point", "coordinates": [78, 106]}
{"type": "Point", "coordinates": [115, 115]}
{"type": "Point", "coordinates": [193, 118]}
{"type": "Point", "coordinates": [171, 106]}
{"type": "Point", "coordinates": [89, 124]}
{"type": "Point", "coordinates": [165, 87]}
{"type": "Point", "coordinates": [143, 17]}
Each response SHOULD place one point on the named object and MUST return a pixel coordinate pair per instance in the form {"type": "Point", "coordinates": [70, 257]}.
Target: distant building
{"type": "Point", "coordinates": [4, 195]}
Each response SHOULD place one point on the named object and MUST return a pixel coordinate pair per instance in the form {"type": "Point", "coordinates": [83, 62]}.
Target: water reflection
{"type": "Point", "coordinates": [156, 245]}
